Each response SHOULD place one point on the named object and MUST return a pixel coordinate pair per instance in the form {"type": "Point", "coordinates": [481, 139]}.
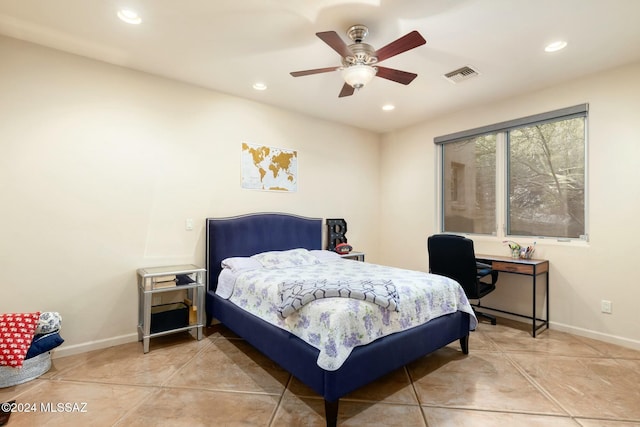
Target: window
{"type": "Point", "coordinates": [470, 168]}
{"type": "Point", "coordinates": [524, 177]}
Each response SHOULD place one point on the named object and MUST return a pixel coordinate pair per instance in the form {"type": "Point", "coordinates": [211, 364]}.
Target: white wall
{"type": "Point", "coordinates": [581, 275]}
{"type": "Point", "coordinates": [100, 166]}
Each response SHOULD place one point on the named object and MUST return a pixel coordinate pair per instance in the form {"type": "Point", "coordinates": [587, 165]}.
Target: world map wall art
{"type": "Point", "coordinates": [269, 168]}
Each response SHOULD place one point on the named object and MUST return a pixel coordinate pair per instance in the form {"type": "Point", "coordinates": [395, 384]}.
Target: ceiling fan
{"type": "Point", "coordinates": [358, 59]}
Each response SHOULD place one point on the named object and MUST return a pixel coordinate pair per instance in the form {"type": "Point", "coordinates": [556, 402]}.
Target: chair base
{"type": "Point", "coordinates": [489, 317]}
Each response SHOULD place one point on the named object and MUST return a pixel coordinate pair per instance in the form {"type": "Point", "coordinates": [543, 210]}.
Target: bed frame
{"type": "Point", "coordinates": [248, 235]}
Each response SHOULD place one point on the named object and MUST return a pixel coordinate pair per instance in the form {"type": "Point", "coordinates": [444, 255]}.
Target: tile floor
{"type": "Point", "coordinates": [508, 379]}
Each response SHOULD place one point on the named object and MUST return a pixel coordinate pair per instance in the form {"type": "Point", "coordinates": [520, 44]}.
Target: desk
{"type": "Point", "coordinates": [527, 267]}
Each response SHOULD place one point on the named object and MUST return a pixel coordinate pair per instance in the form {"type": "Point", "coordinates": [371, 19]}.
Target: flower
{"type": "Point", "coordinates": [514, 246]}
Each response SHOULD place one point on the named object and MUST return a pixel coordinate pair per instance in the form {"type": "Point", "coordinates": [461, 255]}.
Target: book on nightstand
{"type": "Point", "coordinates": [165, 284]}
{"type": "Point", "coordinates": [160, 282]}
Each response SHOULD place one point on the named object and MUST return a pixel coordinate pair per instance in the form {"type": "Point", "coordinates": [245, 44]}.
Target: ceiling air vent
{"type": "Point", "coordinates": [461, 74]}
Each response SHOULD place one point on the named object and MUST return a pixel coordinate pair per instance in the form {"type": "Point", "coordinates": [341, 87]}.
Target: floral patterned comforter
{"type": "Point", "coordinates": [335, 326]}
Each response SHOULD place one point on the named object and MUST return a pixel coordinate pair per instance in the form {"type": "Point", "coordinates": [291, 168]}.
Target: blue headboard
{"type": "Point", "coordinates": [247, 235]}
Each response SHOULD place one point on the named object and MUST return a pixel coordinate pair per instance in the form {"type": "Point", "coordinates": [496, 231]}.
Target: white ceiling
{"type": "Point", "coordinates": [227, 45]}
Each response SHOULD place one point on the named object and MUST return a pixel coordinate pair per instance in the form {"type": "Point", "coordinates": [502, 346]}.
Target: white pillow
{"type": "Point", "coordinates": [324, 255]}
{"type": "Point", "coordinates": [286, 259]}
{"type": "Point", "coordinates": [236, 264]}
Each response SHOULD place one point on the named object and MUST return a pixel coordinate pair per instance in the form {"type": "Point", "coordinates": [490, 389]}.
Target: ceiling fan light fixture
{"type": "Point", "coordinates": [358, 75]}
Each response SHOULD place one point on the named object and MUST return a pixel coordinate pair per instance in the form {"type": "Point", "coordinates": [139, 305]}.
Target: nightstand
{"type": "Point", "coordinates": [149, 284]}
{"type": "Point", "coordinates": [356, 256]}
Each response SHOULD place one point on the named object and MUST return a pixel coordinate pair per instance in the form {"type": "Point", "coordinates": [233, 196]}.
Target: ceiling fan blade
{"type": "Point", "coordinates": [346, 91]}
{"type": "Point", "coordinates": [403, 44]}
{"type": "Point", "coordinates": [314, 71]}
{"type": "Point", "coordinates": [335, 42]}
{"type": "Point", "coordinates": [396, 75]}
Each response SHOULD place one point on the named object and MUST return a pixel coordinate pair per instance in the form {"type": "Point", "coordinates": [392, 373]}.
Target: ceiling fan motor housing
{"type": "Point", "coordinates": [363, 53]}
{"type": "Point", "coordinates": [357, 33]}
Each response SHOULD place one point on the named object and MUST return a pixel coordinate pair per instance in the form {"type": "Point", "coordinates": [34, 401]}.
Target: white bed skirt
{"type": "Point", "coordinates": [31, 368]}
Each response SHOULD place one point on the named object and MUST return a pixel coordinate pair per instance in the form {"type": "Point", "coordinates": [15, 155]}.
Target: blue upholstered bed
{"type": "Point", "coordinates": [247, 235]}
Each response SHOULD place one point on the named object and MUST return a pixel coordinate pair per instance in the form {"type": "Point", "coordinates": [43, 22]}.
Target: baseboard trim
{"type": "Point", "coordinates": [574, 330]}
{"type": "Point", "coordinates": [587, 333]}
{"type": "Point", "coordinates": [63, 350]}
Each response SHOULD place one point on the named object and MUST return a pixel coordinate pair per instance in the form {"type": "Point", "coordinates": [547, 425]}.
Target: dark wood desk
{"type": "Point", "coordinates": [527, 267]}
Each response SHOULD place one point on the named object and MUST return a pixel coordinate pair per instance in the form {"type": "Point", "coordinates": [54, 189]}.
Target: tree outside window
{"type": "Point", "coordinates": [547, 179]}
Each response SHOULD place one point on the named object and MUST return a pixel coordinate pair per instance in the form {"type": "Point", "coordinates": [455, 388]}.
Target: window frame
{"type": "Point", "coordinates": [502, 169]}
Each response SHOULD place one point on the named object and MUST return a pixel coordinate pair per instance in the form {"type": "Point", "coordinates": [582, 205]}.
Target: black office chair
{"type": "Point", "coordinates": [453, 256]}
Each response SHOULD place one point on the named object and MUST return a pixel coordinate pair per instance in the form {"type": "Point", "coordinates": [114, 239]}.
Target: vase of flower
{"type": "Point", "coordinates": [515, 248]}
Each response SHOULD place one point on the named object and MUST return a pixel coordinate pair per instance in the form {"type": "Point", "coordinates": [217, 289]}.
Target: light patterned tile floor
{"type": "Point", "coordinates": [509, 378]}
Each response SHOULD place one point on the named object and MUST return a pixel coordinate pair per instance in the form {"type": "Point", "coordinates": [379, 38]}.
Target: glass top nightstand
{"type": "Point", "coordinates": [152, 280]}
{"type": "Point", "coordinates": [357, 256]}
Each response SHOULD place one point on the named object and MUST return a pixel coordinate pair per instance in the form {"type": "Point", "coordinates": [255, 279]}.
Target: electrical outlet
{"type": "Point", "coordinates": [605, 306]}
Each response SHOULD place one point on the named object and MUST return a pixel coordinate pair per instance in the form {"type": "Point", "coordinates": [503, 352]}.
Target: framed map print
{"type": "Point", "coordinates": [269, 168]}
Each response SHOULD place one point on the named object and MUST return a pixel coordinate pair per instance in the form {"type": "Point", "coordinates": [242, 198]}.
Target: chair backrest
{"type": "Point", "coordinates": [453, 256]}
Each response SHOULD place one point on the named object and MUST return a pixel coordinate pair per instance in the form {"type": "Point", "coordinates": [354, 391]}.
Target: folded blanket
{"type": "Point", "coordinates": [49, 321]}
{"type": "Point", "coordinates": [42, 343]}
{"type": "Point", "coordinates": [16, 333]}
{"type": "Point", "coordinates": [294, 295]}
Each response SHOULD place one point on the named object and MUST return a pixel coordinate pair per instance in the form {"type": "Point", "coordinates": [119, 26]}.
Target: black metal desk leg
{"type": "Point", "coordinates": [534, 304]}
{"type": "Point", "coordinates": [547, 296]}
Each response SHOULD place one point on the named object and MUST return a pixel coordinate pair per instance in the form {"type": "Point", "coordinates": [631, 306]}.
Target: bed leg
{"type": "Point", "coordinates": [464, 343]}
{"type": "Point", "coordinates": [331, 412]}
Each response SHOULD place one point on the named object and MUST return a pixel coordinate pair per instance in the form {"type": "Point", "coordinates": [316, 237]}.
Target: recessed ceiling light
{"type": "Point", "coordinates": [259, 86]}
{"type": "Point", "coordinates": [129, 16]}
{"type": "Point", "coordinates": [388, 107]}
{"type": "Point", "coordinates": [556, 46]}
